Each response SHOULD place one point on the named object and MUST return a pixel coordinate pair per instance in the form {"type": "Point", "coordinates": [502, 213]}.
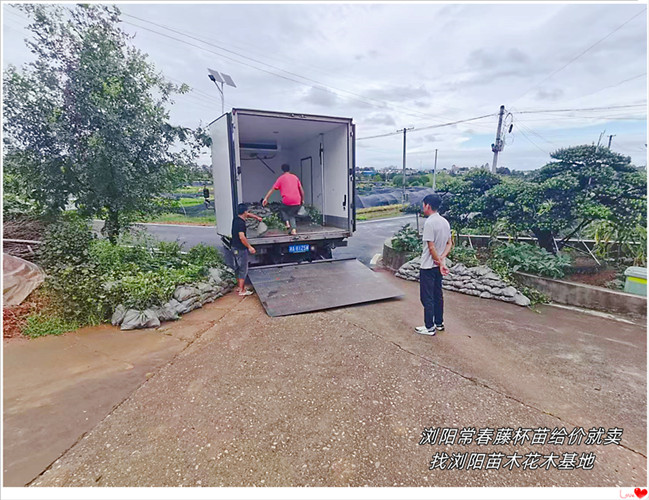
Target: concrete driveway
{"type": "Point", "coordinates": [341, 397]}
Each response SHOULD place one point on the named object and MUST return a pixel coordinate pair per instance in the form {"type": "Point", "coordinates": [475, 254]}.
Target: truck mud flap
{"type": "Point", "coordinates": [287, 289]}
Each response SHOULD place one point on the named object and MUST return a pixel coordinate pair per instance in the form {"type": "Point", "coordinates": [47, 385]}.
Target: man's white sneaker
{"type": "Point", "coordinates": [425, 331]}
{"type": "Point", "coordinates": [246, 293]}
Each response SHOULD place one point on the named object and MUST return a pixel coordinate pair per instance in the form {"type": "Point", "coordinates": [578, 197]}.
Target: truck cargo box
{"type": "Point", "coordinates": [248, 149]}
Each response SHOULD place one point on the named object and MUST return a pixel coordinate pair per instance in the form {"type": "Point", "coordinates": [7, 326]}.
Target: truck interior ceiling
{"type": "Point", "coordinates": [317, 152]}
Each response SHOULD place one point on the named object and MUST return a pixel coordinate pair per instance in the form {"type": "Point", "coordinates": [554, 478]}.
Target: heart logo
{"type": "Point", "coordinates": [640, 492]}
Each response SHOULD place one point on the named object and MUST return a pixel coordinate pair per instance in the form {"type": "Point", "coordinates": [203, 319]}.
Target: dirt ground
{"type": "Point", "coordinates": [14, 318]}
{"type": "Point", "coordinates": [334, 398]}
{"type": "Point", "coordinates": [594, 279]}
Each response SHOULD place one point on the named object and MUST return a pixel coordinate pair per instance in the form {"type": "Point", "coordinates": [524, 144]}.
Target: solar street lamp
{"type": "Point", "coordinates": [223, 79]}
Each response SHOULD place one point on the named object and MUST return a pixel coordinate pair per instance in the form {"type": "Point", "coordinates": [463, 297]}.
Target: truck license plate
{"type": "Point", "coordinates": [298, 248]}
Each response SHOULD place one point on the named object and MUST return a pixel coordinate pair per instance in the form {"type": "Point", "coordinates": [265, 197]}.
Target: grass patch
{"type": "Point", "coordinates": [190, 202]}
{"type": "Point", "coordinates": [193, 190]}
{"type": "Point", "coordinates": [207, 220]}
{"type": "Point", "coordinates": [39, 325]}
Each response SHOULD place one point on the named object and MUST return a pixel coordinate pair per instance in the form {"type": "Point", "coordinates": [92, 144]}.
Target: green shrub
{"type": "Point", "coordinates": [66, 242]}
{"type": "Point", "coordinates": [503, 269]}
{"type": "Point", "coordinates": [38, 325]}
{"type": "Point", "coordinates": [464, 254]}
{"type": "Point", "coordinates": [534, 295]}
{"type": "Point", "coordinates": [532, 259]}
{"type": "Point", "coordinates": [150, 288]}
{"type": "Point", "coordinates": [77, 293]}
{"type": "Point", "coordinates": [167, 254]}
{"type": "Point", "coordinates": [88, 282]}
{"type": "Point", "coordinates": [205, 255]}
{"type": "Point", "coordinates": [407, 239]}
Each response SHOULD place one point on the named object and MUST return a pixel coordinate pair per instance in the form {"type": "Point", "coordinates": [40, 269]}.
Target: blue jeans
{"type": "Point", "coordinates": [430, 293]}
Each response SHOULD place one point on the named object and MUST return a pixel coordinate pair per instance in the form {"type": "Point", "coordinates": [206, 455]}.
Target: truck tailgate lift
{"type": "Point", "coordinates": [287, 289]}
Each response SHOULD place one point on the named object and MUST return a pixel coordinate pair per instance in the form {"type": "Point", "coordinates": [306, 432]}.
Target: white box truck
{"type": "Point", "coordinates": [248, 149]}
{"type": "Point", "coordinates": [294, 273]}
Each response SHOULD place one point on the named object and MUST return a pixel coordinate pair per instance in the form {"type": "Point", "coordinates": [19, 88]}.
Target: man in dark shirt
{"type": "Point", "coordinates": [241, 247]}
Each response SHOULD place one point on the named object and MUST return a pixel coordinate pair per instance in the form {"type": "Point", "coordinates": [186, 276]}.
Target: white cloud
{"type": "Point", "coordinates": [393, 65]}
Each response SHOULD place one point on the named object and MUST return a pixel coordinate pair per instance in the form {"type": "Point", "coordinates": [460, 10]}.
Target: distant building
{"type": "Point", "coordinates": [366, 170]}
{"type": "Point", "coordinates": [456, 170]}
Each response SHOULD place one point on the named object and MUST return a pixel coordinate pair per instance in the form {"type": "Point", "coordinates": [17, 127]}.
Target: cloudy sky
{"type": "Point", "coordinates": [390, 66]}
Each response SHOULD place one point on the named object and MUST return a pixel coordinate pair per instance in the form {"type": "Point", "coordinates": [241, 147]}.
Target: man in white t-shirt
{"type": "Point", "coordinates": [437, 245]}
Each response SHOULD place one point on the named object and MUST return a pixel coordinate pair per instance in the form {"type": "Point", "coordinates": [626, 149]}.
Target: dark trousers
{"type": "Point", "coordinates": [289, 212]}
{"type": "Point", "coordinates": [430, 292]}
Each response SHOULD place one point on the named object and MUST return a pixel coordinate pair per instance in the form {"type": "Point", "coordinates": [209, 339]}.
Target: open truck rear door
{"type": "Point", "coordinates": [224, 173]}
{"type": "Point", "coordinates": [287, 289]}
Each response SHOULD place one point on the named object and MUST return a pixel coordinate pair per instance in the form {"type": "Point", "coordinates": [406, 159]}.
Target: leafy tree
{"type": "Point", "coordinates": [88, 118]}
{"type": "Point", "coordinates": [528, 207]}
{"type": "Point", "coordinates": [461, 207]}
{"type": "Point", "coordinates": [583, 185]}
{"type": "Point", "coordinates": [377, 178]}
{"type": "Point", "coordinates": [416, 180]}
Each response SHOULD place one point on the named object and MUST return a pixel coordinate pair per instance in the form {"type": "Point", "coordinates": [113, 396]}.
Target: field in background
{"type": "Point", "coordinates": [203, 220]}
{"type": "Point", "coordinates": [382, 212]}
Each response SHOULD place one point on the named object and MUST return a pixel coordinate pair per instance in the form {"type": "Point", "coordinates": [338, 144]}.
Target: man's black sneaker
{"type": "Point", "coordinates": [439, 328]}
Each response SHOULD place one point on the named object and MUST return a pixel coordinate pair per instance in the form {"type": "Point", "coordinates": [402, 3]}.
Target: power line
{"type": "Point", "coordinates": [582, 109]}
{"type": "Point", "coordinates": [527, 138]}
{"type": "Point", "coordinates": [323, 87]}
{"type": "Point", "coordinates": [257, 68]}
{"type": "Point", "coordinates": [531, 131]}
{"type": "Point", "coordinates": [607, 116]}
{"type": "Point", "coordinates": [581, 53]}
{"type": "Point", "coordinates": [611, 86]}
{"type": "Point", "coordinates": [415, 129]}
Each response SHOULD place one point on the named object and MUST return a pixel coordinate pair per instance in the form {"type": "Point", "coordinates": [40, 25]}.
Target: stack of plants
{"type": "Point", "coordinates": [271, 215]}
{"type": "Point", "coordinates": [88, 277]}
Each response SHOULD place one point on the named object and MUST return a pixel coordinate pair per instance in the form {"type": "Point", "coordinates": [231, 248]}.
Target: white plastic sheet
{"type": "Point", "coordinates": [19, 279]}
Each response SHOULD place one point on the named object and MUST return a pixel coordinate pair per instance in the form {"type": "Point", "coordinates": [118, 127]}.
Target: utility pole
{"type": "Point", "coordinates": [435, 172]}
{"type": "Point", "coordinates": [404, 162]}
{"type": "Point", "coordinates": [498, 145]}
{"type": "Point", "coordinates": [599, 141]}
{"type": "Point", "coordinates": [610, 138]}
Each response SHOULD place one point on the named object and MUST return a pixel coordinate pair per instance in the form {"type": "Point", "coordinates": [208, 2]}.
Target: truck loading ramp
{"type": "Point", "coordinates": [287, 289]}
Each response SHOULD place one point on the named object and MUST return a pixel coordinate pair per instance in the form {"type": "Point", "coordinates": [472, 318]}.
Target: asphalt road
{"type": "Point", "coordinates": [364, 244]}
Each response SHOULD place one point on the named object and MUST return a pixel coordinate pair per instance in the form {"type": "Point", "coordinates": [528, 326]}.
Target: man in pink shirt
{"type": "Point", "coordinates": [292, 193]}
